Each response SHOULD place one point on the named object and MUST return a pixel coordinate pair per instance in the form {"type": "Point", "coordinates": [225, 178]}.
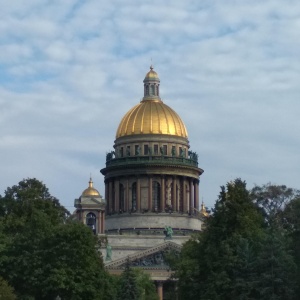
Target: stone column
{"type": "Point", "coordinates": [178, 188]}
{"type": "Point", "coordinates": [110, 196]}
{"type": "Point", "coordinates": [138, 195]}
{"type": "Point", "coordinates": [174, 194]}
{"type": "Point", "coordinates": [162, 194]}
{"type": "Point", "coordinates": [103, 221]}
{"type": "Point", "coordinates": [117, 195]}
{"type": "Point", "coordinates": [150, 194]}
{"type": "Point", "coordinates": [197, 195]}
{"type": "Point", "coordinates": [191, 209]}
{"type": "Point", "coordinates": [99, 222]}
{"type": "Point", "coordinates": [160, 290]}
{"type": "Point", "coordinates": [127, 195]}
{"type": "Point", "coordinates": [184, 196]}
{"type": "Point", "coordinates": [106, 196]}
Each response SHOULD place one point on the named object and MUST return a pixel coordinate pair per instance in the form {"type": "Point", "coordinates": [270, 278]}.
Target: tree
{"type": "Point", "coordinates": [276, 267]}
{"type": "Point", "coordinates": [145, 285]}
{"type": "Point", "coordinates": [129, 289]}
{"type": "Point", "coordinates": [134, 283]}
{"type": "Point", "coordinates": [6, 291]}
{"type": "Point", "coordinates": [292, 225]}
{"type": "Point", "coordinates": [279, 250]}
{"type": "Point", "coordinates": [44, 254]}
{"type": "Point", "coordinates": [272, 200]}
{"type": "Point", "coordinates": [211, 264]}
{"type": "Point", "coordinates": [244, 252]}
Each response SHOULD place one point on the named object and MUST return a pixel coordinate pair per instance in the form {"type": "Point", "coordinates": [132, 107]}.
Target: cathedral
{"type": "Point", "coordinates": [151, 177]}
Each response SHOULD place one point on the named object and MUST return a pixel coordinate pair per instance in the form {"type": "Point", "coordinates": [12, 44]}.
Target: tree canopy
{"type": "Point", "coordinates": [43, 254]}
{"type": "Point", "coordinates": [242, 253]}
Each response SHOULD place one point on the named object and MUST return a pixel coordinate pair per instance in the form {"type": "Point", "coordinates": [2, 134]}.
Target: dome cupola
{"type": "Point", "coordinates": [90, 191]}
{"type": "Point", "coordinates": [151, 115]}
{"type": "Point", "coordinates": [151, 85]}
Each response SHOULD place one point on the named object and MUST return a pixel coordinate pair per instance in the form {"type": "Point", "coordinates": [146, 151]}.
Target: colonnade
{"type": "Point", "coordinates": [152, 193]}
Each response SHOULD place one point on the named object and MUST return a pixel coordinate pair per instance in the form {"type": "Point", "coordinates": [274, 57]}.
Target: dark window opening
{"type": "Point", "coordinates": [152, 90]}
{"type": "Point", "coordinates": [173, 150]}
{"type": "Point", "coordinates": [165, 149]}
{"type": "Point", "coordinates": [91, 221]}
{"type": "Point", "coordinates": [146, 149]}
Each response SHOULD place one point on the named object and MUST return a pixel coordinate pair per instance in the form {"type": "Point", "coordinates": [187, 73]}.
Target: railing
{"type": "Point", "coordinates": [151, 160]}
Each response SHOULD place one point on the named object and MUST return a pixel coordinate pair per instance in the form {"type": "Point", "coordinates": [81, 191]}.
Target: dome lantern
{"type": "Point", "coordinates": [151, 85]}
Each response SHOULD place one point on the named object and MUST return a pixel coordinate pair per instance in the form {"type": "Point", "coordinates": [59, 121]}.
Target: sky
{"type": "Point", "coordinates": [70, 70]}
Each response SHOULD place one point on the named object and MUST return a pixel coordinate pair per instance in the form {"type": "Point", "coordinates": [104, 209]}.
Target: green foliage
{"type": "Point", "coordinates": [279, 258]}
{"type": "Point", "coordinates": [292, 225]}
{"type": "Point", "coordinates": [43, 254]}
{"type": "Point", "coordinates": [276, 267]}
{"type": "Point", "coordinates": [246, 250]}
{"type": "Point", "coordinates": [135, 284]}
{"type": "Point", "coordinates": [145, 285]}
{"type": "Point", "coordinates": [129, 289]}
{"type": "Point", "coordinates": [272, 200]}
{"type": "Point", "coordinates": [6, 291]}
{"type": "Point", "coordinates": [221, 262]}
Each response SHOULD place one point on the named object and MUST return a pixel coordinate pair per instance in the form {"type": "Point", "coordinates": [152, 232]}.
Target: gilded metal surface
{"type": "Point", "coordinates": [151, 117]}
{"type": "Point", "coordinates": [151, 75]}
{"type": "Point", "coordinates": [90, 191]}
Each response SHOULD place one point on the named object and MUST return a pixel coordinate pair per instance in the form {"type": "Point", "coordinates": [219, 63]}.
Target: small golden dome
{"type": "Point", "coordinates": [151, 117]}
{"type": "Point", "coordinates": [203, 210]}
{"type": "Point", "coordinates": [90, 191]}
{"type": "Point", "coordinates": [151, 75]}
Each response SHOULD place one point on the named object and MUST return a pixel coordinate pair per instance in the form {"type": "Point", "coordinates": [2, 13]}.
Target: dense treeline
{"type": "Point", "coordinates": [44, 254]}
{"type": "Point", "coordinates": [249, 249]}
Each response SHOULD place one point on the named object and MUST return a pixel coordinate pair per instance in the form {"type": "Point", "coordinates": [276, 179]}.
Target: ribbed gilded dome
{"type": "Point", "coordinates": [151, 117]}
{"type": "Point", "coordinates": [90, 191]}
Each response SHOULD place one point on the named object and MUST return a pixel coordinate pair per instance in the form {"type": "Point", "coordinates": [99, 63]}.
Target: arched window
{"type": "Point", "coordinates": [91, 221]}
{"type": "Point", "coordinates": [152, 90]}
{"type": "Point", "coordinates": [157, 91]}
{"type": "Point", "coordinates": [133, 200]}
{"type": "Point", "coordinates": [122, 198]}
{"type": "Point", "coordinates": [147, 90]}
{"type": "Point", "coordinates": [156, 205]}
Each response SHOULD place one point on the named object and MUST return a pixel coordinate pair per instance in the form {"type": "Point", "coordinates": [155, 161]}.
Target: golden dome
{"type": "Point", "coordinates": [90, 191]}
{"type": "Point", "coordinates": [152, 75]}
{"type": "Point", "coordinates": [151, 117]}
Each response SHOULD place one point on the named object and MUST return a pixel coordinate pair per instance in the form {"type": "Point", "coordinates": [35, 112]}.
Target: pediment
{"type": "Point", "coordinates": [92, 201]}
{"type": "Point", "coordinates": [152, 258]}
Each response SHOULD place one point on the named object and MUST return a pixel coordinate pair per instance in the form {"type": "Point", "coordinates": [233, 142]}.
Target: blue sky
{"type": "Point", "coordinates": [69, 71]}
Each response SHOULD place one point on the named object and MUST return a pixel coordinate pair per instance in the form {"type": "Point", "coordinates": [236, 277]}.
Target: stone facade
{"type": "Point", "coordinates": [151, 188]}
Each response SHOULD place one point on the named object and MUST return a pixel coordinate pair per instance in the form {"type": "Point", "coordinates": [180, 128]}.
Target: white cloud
{"type": "Point", "coordinates": [70, 70]}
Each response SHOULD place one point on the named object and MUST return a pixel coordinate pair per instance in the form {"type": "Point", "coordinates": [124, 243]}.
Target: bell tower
{"type": "Point", "coordinates": [90, 209]}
